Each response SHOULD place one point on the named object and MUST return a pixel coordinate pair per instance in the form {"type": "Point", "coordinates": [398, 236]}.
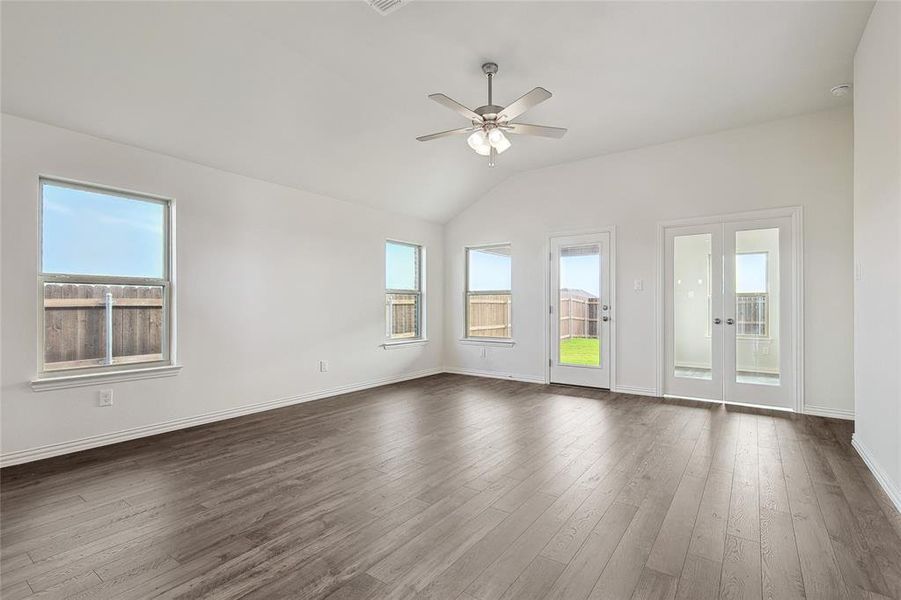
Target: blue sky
{"type": "Point", "coordinates": [90, 233]}
{"type": "Point", "coordinates": [400, 266]}
{"type": "Point", "coordinates": [580, 273]}
{"type": "Point", "coordinates": [488, 271]}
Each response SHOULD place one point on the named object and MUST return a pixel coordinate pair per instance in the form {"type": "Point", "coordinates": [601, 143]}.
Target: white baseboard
{"type": "Point", "coordinates": [824, 411]}
{"type": "Point", "coordinates": [41, 452]}
{"type": "Point", "coordinates": [884, 481]}
{"type": "Point", "coordinates": [636, 391]}
{"type": "Point", "coordinates": [495, 375]}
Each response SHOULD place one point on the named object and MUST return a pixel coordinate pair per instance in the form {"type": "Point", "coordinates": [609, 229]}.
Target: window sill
{"type": "Point", "coordinates": [43, 384]}
{"type": "Point", "coordinates": [401, 343]}
{"type": "Point", "coordinates": [487, 342]}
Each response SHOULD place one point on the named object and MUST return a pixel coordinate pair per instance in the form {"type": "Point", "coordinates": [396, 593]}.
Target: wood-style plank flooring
{"type": "Point", "coordinates": [453, 487]}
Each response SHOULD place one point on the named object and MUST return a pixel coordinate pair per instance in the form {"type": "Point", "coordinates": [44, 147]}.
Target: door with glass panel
{"type": "Point", "coordinates": [728, 312]}
{"type": "Point", "coordinates": [694, 308]}
{"type": "Point", "coordinates": [580, 310]}
{"type": "Point", "coordinates": [757, 328]}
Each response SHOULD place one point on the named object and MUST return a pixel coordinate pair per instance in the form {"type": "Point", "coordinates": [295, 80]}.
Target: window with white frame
{"type": "Point", "coordinates": [751, 295]}
{"type": "Point", "coordinates": [104, 282]}
{"type": "Point", "coordinates": [488, 292]}
{"type": "Point", "coordinates": [403, 291]}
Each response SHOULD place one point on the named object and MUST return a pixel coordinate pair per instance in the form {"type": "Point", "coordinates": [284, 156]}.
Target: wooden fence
{"type": "Point", "coordinates": [402, 315]}
{"type": "Point", "coordinates": [578, 315]}
{"type": "Point", "coordinates": [489, 315]}
{"type": "Point", "coordinates": [75, 324]}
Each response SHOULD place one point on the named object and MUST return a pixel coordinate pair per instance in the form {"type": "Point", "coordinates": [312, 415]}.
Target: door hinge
{"type": "Point", "coordinates": [550, 308]}
{"type": "Point", "coordinates": [550, 362]}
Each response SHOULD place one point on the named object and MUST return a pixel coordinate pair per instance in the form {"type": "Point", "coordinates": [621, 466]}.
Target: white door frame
{"type": "Point", "coordinates": [611, 231]}
{"type": "Point", "coordinates": [797, 291]}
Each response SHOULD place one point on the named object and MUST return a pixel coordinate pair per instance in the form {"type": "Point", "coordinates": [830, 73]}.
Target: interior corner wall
{"type": "Point", "coordinates": [877, 249]}
{"type": "Point", "coordinates": [804, 160]}
{"type": "Point", "coordinates": [270, 280]}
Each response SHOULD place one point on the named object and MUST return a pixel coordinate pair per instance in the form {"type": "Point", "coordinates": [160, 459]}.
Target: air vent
{"type": "Point", "coordinates": [384, 7]}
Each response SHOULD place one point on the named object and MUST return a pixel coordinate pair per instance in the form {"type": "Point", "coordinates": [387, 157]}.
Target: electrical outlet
{"type": "Point", "coordinates": [105, 398]}
{"type": "Point", "coordinates": [638, 285]}
{"type": "Point", "coordinates": [323, 366]}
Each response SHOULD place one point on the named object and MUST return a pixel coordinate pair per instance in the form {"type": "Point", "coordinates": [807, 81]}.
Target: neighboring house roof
{"type": "Point", "coordinates": [578, 292]}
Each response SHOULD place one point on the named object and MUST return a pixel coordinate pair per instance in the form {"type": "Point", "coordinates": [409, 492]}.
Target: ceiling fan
{"type": "Point", "coordinates": [490, 123]}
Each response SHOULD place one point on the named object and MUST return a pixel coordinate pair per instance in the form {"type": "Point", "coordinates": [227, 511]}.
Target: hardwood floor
{"type": "Point", "coordinates": [453, 487]}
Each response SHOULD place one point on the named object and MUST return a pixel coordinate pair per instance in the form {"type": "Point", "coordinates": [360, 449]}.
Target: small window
{"type": "Point", "coordinates": [751, 296]}
{"type": "Point", "coordinates": [488, 292]}
{"type": "Point", "coordinates": [104, 281]}
{"type": "Point", "coordinates": [403, 291]}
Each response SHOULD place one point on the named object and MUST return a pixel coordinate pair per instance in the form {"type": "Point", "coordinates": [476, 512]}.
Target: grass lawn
{"type": "Point", "coordinates": [580, 351]}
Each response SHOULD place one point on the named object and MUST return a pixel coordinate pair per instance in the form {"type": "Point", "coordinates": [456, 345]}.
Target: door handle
{"type": "Point", "coordinates": [605, 318]}
{"type": "Point", "coordinates": [717, 321]}
{"type": "Point", "coordinates": [730, 321]}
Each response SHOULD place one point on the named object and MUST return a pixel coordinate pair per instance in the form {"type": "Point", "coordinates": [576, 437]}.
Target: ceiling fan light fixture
{"type": "Point", "coordinates": [498, 140]}
{"type": "Point", "coordinates": [478, 141]}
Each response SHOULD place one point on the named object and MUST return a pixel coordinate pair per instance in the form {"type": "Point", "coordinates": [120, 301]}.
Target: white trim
{"type": "Point", "coordinates": [402, 343]}
{"type": "Point", "coordinates": [635, 391]}
{"type": "Point", "coordinates": [833, 413]}
{"type": "Point", "coordinates": [495, 375]}
{"type": "Point", "coordinates": [487, 342]}
{"type": "Point", "coordinates": [882, 479]}
{"type": "Point", "coordinates": [43, 384]}
{"type": "Point", "coordinates": [41, 452]}
{"type": "Point", "coordinates": [797, 217]}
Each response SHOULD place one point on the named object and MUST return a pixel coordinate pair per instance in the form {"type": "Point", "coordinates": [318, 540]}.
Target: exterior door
{"type": "Point", "coordinates": [580, 310]}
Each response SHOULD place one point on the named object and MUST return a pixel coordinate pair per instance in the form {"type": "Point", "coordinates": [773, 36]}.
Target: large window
{"type": "Point", "coordinates": [104, 282]}
{"type": "Point", "coordinates": [403, 291]}
{"type": "Point", "coordinates": [751, 295]}
{"type": "Point", "coordinates": [488, 297]}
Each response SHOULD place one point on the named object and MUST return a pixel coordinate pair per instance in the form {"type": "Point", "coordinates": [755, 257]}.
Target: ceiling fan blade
{"type": "Point", "coordinates": [456, 107]}
{"type": "Point", "coordinates": [540, 130]}
{"type": "Point", "coordinates": [441, 134]}
{"type": "Point", "coordinates": [524, 103]}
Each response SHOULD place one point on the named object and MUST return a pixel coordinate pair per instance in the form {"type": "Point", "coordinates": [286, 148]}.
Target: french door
{"type": "Point", "coordinates": [580, 310]}
{"type": "Point", "coordinates": [728, 318]}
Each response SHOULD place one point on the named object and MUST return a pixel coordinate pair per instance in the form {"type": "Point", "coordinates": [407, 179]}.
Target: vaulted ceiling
{"type": "Point", "coordinates": [329, 96]}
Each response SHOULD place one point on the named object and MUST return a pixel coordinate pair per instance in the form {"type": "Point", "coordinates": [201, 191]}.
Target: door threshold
{"type": "Point", "coordinates": [743, 404]}
{"type": "Point", "coordinates": [576, 385]}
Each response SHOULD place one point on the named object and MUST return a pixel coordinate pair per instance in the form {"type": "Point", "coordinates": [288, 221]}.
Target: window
{"type": "Point", "coordinates": [488, 297]}
{"type": "Point", "coordinates": [403, 291]}
{"type": "Point", "coordinates": [105, 279]}
{"type": "Point", "coordinates": [751, 297]}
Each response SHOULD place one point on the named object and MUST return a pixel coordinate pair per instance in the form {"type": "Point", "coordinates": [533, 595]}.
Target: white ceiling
{"type": "Point", "coordinates": [329, 96]}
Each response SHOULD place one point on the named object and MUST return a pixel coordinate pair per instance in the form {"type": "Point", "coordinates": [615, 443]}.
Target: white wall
{"type": "Point", "coordinates": [270, 281]}
{"type": "Point", "coordinates": [877, 251]}
{"type": "Point", "coordinates": [804, 161]}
